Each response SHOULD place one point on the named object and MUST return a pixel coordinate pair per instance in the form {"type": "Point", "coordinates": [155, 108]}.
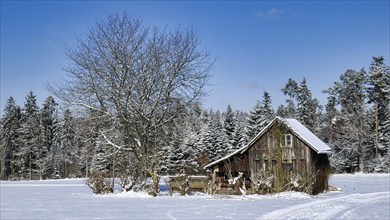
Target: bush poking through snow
{"type": "Point", "coordinates": [263, 183]}
{"type": "Point", "coordinates": [154, 188]}
{"type": "Point", "coordinates": [213, 187]}
{"type": "Point", "coordinates": [99, 184]}
{"type": "Point", "coordinates": [182, 182]}
{"type": "Point", "coordinates": [234, 180]}
{"type": "Point", "coordinates": [301, 182]}
{"type": "Point", "coordinates": [127, 182]}
{"type": "Point", "coordinates": [238, 183]}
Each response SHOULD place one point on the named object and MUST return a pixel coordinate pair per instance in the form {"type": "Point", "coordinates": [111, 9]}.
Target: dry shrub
{"type": "Point", "coordinates": [99, 184]}
{"type": "Point", "coordinates": [263, 182]}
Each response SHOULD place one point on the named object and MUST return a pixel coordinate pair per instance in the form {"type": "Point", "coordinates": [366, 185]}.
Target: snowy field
{"type": "Point", "coordinates": [362, 196]}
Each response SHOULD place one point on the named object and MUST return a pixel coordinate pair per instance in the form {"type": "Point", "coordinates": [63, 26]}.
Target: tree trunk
{"type": "Point", "coordinates": [331, 133]}
{"type": "Point", "coordinates": [86, 169]}
{"type": "Point", "coordinates": [361, 146]}
{"type": "Point", "coordinates": [156, 181]}
{"type": "Point", "coordinates": [65, 169]}
{"type": "Point", "coordinates": [113, 171]}
{"type": "Point", "coordinates": [376, 127]}
{"type": "Point", "coordinates": [30, 163]}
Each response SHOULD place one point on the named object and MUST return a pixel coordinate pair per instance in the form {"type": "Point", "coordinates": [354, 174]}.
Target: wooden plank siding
{"type": "Point", "coordinates": [277, 151]}
{"type": "Point", "coordinates": [231, 167]}
{"type": "Point", "coordinates": [263, 154]}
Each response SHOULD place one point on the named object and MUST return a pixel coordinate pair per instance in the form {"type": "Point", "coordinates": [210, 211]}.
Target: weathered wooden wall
{"type": "Point", "coordinates": [268, 155]}
{"type": "Point", "coordinates": [268, 151]}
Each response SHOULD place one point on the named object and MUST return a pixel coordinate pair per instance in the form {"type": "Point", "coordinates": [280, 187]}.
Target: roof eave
{"type": "Point", "coordinates": [222, 159]}
{"type": "Point", "coordinates": [259, 134]}
{"type": "Point", "coordinates": [328, 152]}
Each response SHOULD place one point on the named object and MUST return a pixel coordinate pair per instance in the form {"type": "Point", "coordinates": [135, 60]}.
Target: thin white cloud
{"type": "Point", "coordinates": [255, 85]}
{"type": "Point", "coordinates": [272, 14]}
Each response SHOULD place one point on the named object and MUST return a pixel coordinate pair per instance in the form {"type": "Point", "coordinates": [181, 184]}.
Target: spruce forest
{"type": "Point", "coordinates": [101, 125]}
{"type": "Point", "coordinates": [48, 142]}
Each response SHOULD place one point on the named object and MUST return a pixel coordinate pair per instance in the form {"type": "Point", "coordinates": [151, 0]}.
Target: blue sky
{"type": "Point", "coordinates": [258, 45]}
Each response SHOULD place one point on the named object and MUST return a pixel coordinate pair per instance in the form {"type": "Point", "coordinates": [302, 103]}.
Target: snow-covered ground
{"type": "Point", "coordinates": [362, 196]}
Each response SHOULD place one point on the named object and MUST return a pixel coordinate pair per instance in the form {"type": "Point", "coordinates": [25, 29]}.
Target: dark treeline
{"type": "Point", "coordinates": [44, 142]}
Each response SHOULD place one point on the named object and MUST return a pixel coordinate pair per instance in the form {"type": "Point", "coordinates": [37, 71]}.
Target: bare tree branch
{"type": "Point", "coordinates": [144, 78]}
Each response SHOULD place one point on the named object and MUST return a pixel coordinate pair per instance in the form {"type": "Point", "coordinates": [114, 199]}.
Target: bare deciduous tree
{"type": "Point", "coordinates": [142, 77]}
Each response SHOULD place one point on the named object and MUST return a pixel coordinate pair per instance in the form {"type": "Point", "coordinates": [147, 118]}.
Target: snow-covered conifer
{"type": "Point", "coordinates": [350, 126]}
{"type": "Point", "coordinates": [254, 121]}
{"type": "Point", "coordinates": [10, 124]}
{"type": "Point", "coordinates": [229, 126]}
{"type": "Point", "coordinates": [307, 107]}
{"type": "Point", "coordinates": [48, 118]}
{"type": "Point", "coordinates": [267, 111]}
{"type": "Point", "coordinates": [239, 134]}
{"type": "Point", "coordinates": [378, 90]}
{"type": "Point", "coordinates": [290, 89]}
{"type": "Point", "coordinates": [29, 142]}
{"type": "Point", "coordinates": [68, 148]}
{"type": "Point", "coordinates": [259, 116]}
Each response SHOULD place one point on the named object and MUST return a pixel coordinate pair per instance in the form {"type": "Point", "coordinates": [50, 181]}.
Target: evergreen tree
{"type": "Point", "coordinates": [239, 134]}
{"type": "Point", "coordinates": [378, 91]}
{"type": "Point", "coordinates": [260, 116]}
{"type": "Point", "coordinates": [267, 112]}
{"type": "Point", "coordinates": [55, 155]}
{"type": "Point", "coordinates": [86, 137]}
{"type": "Point", "coordinates": [213, 137]}
{"type": "Point", "coordinates": [350, 127]}
{"type": "Point", "coordinates": [220, 138]}
{"type": "Point", "coordinates": [68, 148]}
{"type": "Point", "coordinates": [229, 127]}
{"type": "Point", "coordinates": [203, 139]}
{"type": "Point", "coordinates": [290, 89]}
{"type": "Point", "coordinates": [10, 125]}
{"type": "Point", "coordinates": [331, 117]}
{"type": "Point", "coordinates": [48, 118]}
{"type": "Point", "coordinates": [183, 152]}
{"type": "Point", "coordinates": [174, 151]}
{"type": "Point", "coordinates": [100, 163]}
{"type": "Point", "coordinates": [254, 122]}
{"type": "Point", "coordinates": [29, 149]}
{"type": "Point", "coordinates": [282, 111]}
{"type": "Point", "coordinates": [307, 110]}
{"type": "Point", "coordinates": [193, 163]}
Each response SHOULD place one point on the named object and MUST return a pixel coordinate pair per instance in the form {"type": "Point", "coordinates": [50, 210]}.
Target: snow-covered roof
{"type": "Point", "coordinates": [296, 127]}
{"type": "Point", "coordinates": [307, 136]}
{"type": "Point", "coordinates": [224, 158]}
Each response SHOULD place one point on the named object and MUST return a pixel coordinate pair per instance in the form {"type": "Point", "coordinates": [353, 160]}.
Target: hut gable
{"type": "Point", "coordinates": [299, 130]}
{"type": "Point", "coordinates": [285, 148]}
{"type": "Point", "coordinates": [307, 136]}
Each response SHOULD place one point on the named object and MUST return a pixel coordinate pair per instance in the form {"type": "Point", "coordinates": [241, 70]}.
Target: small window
{"type": "Point", "coordinates": [288, 140]}
{"type": "Point", "coordinates": [288, 167]}
{"type": "Point", "coordinates": [302, 153]}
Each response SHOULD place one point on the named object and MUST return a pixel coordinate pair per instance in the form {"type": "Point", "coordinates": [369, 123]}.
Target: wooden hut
{"type": "Point", "coordinates": [285, 155]}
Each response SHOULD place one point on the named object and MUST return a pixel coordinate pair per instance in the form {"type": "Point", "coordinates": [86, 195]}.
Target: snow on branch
{"type": "Point", "coordinates": [89, 107]}
{"type": "Point", "coordinates": [124, 147]}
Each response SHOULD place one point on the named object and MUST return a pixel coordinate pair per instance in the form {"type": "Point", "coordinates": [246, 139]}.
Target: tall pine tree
{"type": "Point", "coordinates": [378, 91]}
{"type": "Point", "coordinates": [10, 125]}
{"type": "Point", "coordinates": [254, 122]}
{"type": "Point", "coordinates": [350, 126]}
{"type": "Point", "coordinates": [229, 126]}
{"type": "Point", "coordinates": [307, 110]}
{"type": "Point", "coordinates": [290, 89]}
{"type": "Point", "coordinates": [267, 112]}
{"type": "Point", "coordinates": [48, 120]}
{"type": "Point", "coordinates": [29, 143]}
